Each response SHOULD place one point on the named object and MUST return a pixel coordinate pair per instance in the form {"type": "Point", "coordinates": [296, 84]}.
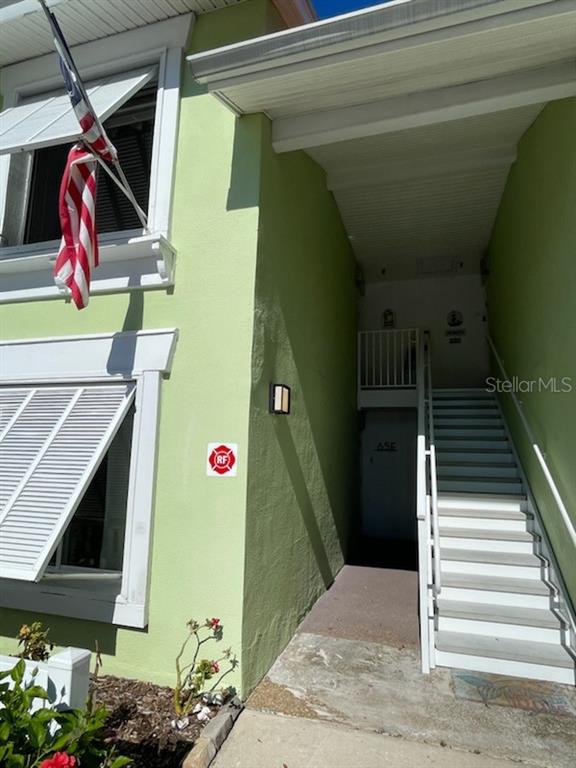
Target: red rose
{"type": "Point", "coordinates": [59, 760]}
{"type": "Point", "coordinates": [214, 623]}
{"type": "Point", "coordinates": [215, 667]}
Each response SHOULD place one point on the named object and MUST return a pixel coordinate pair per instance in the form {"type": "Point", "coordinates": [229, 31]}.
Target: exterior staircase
{"type": "Point", "coordinates": [496, 610]}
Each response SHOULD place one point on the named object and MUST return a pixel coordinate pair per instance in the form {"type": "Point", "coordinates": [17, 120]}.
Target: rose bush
{"type": "Point", "coordinates": [45, 738]}
{"type": "Point", "coordinates": [59, 760]}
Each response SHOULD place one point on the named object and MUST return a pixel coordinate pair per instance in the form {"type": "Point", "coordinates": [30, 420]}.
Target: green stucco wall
{"type": "Point", "coordinates": [531, 291]}
{"type": "Point", "coordinates": [264, 291]}
{"type": "Point", "coordinates": [301, 483]}
{"type": "Point", "coordinates": [198, 536]}
{"type": "Point", "coordinates": [248, 19]}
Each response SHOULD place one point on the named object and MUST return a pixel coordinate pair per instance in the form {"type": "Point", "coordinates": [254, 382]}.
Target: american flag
{"type": "Point", "coordinates": [78, 253]}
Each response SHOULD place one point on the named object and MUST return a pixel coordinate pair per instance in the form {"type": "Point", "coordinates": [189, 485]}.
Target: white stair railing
{"type": "Point", "coordinates": [570, 529]}
{"type": "Point", "coordinates": [427, 506]}
{"type": "Point", "coordinates": [387, 359]}
{"type": "Point", "coordinates": [540, 456]}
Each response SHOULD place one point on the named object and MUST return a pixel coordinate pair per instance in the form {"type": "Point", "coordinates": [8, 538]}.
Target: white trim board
{"type": "Point", "coordinates": [87, 358]}
{"type": "Point", "coordinates": [397, 25]}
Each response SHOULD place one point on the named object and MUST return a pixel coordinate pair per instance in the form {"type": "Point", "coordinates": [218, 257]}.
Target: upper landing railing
{"type": "Point", "coordinates": [387, 359]}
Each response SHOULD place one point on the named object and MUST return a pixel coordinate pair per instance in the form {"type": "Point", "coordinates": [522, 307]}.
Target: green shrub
{"type": "Point", "coordinates": [27, 738]}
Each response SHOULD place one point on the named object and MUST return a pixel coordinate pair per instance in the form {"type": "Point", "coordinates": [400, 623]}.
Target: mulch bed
{"type": "Point", "coordinates": [140, 722]}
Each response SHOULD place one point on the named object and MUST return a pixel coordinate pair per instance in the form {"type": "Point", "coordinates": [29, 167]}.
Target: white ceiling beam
{"type": "Point", "coordinates": [425, 108]}
{"type": "Point", "coordinates": [393, 171]}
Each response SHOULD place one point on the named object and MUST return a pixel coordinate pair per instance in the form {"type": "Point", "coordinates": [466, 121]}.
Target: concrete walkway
{"type": "Point", "coordinates": [348, 692]}
{"type": "Point", "coordinates": [261, 740]}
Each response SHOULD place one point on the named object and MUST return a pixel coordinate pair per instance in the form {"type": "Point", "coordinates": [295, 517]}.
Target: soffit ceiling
{"type": "Point", "coordinates": [423, 201]}
{"type": "Point", "coordinates": [82, 21]}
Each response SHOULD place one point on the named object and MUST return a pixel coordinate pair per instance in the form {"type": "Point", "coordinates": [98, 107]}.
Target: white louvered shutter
{"type": "Point", "coordinates": [52, 440]}
{"type": "Point", "coordinates": [47, 120]}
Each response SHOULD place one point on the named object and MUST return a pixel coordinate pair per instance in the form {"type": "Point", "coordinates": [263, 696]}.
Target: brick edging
{"type": "Point", "coordinates": [213, 736]}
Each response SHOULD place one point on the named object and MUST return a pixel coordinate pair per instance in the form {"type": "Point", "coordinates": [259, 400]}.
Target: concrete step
{"type": "Point", "coordinates": [469, 432]}
{"type": "Point", "coordinates": [511, 542]}
{"type": "Point", "coordinates": [496, 590]}
{"type": "Point", "coordinates": [458, 394]}
{"type": "Point", "coordinates": [466, 566]}
{"type": "Point", "coordinates": [524, 560]}
{"type": "Point", "coordinates": [476, 506]}
{"type": "Point", "coordinates": [493, 515]}
{"type": "Point", "coordinates": [493, 485]}
{"type": "Point", "coordinates": [465, 469]}
{"type": "Point", "coordinates": [480, 410]}
{"type": "Point", "coordinates": [522, 658]}
{"type": "Point", "coordinates": [525, 617]}
{"type": "Point", "coordinates": [455, 419]}
{"type": "Point", "coordinates": [536, 624]}
{"type": "Point", "coordinates": [475, 457]}
{"type": "Point", "coordinates": [471, 443]}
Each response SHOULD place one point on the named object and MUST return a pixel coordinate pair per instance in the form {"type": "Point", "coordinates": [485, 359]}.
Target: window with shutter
{"type": "Point", "coordinates": [131, 130]}
{"type": "Point", "coordinates": [140, 108]}
{"type": "Point", "coordinates": [52, 442]}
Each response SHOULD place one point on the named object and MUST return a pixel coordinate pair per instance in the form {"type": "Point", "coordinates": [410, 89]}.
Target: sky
{"type": "Point", "coordinates": [326, 8]}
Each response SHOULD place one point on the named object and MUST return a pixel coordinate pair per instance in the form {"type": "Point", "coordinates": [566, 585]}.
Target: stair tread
{"type": "Point", "coordinates": [527, 651]}
{"type": "Point", "coordinates": [483, 465]}
{"type": "Point", "coordinates": [504, 614]}
{"type": "Point", "coordinates": [451, 498]}
{"type": "Point", "coordinates": [474, 533]}
{"type": "Point", "coordinates": [495, 558]}
{"type": "Point", "coordinates": [495, 583]}
{"type": "Point", "coordinates": [492, 514]}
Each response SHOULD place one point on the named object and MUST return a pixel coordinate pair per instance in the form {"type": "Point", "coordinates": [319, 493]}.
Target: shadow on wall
{"type": "Point", "coordinates": [305, 504]}
{"type": "Point", "coordinates": [244, 189]}
{"type": "Point", "coordinates": [64, 631]}
{"type": "Point", "coordinates": [123, 349]}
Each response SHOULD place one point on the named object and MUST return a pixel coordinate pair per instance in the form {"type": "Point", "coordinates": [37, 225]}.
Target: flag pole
{"type": "Point", "coordinates": [67, 55]}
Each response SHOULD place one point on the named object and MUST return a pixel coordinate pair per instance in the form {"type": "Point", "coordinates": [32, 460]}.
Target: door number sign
{"type": "Point", "coordinates": [221, 460]}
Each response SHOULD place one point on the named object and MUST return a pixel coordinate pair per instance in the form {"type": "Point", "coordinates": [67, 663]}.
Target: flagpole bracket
{"type": "Point", "coordinates": [165, 260]}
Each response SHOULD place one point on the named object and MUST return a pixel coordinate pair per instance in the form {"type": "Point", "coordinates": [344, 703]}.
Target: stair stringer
{"type": "Point", "coordinates": [562, 603]}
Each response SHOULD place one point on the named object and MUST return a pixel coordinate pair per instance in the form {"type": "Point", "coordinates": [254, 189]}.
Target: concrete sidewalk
{"type": "Point", "coordinates": [261, 740]}
{"type": "Point", "coordinates": [348, 692]}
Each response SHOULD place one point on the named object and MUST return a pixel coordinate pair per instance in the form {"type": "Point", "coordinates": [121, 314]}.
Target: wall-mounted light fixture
{"type": "Point", "coordinates": [279, 399]}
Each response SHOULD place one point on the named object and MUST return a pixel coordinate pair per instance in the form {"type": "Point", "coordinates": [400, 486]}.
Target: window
{"type": "Point", "coordinates": [136, 95]}
{"type": "Point", "coordinates": [131, 130]}
{"type": "Point", "coordinates": [95, 536]}
{"type": "Point", "coordinates": [78, 425]}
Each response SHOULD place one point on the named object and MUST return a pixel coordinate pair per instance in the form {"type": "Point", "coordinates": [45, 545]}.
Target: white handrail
{"type": "Point", "coordinates": [432, 469]}
{"type": "Point", "coordinates": [538, 451]}
{"type": "Point", "coordinates": [423, 517]}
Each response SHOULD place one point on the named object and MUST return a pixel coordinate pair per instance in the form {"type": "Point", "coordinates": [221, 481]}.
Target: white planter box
{"type": "Point", "coordinates": [65, 676]}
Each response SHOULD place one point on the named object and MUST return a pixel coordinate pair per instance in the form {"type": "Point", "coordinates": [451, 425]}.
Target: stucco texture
{"type": "Point", "coordinates": [301, 482]}
{"type": "Point", "coordinates": [198, 534]}
{"type": "Point", "coordinates": [531, 290]}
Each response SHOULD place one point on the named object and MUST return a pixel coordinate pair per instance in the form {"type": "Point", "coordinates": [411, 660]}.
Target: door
{"type": "Point", "coordinates": [388, 472]}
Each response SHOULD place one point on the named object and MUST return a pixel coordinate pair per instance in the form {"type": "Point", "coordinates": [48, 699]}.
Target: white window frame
{"type": "Point", "coordinates": [141, 356]}
{"type": "Point", "coordinates": [128, 260]}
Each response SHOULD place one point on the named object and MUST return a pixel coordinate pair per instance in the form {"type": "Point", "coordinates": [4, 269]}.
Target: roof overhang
{"type": "Point", "coordinates": [414, 109]}
{"type": "Point", "coordinates": [397, 65]}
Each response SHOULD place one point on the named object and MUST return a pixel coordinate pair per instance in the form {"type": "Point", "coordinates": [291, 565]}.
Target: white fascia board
{"type": "Point", "coordinates": [425, 108]}
{"type": "Point", "coordinates": [92, 357]}
{"type": "Point", "coordinates": [394, 26]}
{"type": "Point", "coordinates": [395, 171]}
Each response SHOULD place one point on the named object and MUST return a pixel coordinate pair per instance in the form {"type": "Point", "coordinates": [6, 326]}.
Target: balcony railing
{"type": "Point", "coordinates": [387, 359]}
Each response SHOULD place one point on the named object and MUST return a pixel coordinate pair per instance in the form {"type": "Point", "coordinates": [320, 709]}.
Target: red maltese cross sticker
{"type": "Point", "coordinates": [222, 460]}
